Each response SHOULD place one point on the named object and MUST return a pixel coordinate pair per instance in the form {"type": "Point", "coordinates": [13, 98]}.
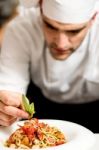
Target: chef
{"type": "Point", "coordinates": [57, 47]}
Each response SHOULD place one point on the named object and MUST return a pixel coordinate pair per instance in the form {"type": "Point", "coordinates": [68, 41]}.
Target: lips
{"type": "Point", "coordinates": [61, 51]}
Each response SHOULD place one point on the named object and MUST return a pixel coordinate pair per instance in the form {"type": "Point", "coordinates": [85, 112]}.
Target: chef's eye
{"type": "Point", "coordinates": [49, 26]}
{"type": "Point", "coordinates": [75, 31]}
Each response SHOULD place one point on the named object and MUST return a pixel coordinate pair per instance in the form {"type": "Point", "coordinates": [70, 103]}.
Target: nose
{"type": "Point", "coordinates": [62, 40]}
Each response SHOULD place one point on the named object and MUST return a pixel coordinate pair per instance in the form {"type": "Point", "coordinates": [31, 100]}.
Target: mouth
{"type": "Point", "coordinates": [62, 51]}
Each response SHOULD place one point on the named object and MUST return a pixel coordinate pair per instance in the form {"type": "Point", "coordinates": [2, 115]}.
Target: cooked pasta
{"type": "Point", "coordinates": [34, 134]}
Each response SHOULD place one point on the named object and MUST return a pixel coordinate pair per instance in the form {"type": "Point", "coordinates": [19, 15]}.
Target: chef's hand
{"type": "Point", "coordinates": [10, 109]}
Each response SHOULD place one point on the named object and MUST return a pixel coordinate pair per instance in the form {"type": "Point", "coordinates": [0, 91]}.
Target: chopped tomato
{"type": "Point", "coordinates": [28, 130]}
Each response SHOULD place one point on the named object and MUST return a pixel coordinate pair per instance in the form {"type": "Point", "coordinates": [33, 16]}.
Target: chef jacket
{"type": "Point", "coordinates": [25, 55]}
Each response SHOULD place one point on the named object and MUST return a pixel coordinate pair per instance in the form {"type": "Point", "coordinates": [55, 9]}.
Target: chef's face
{"type": "Point", "coordinates": [63, 39]}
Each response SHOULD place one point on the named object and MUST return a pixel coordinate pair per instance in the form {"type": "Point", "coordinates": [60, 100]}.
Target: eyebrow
{"type": "Point", "coordinates": [55, 28]}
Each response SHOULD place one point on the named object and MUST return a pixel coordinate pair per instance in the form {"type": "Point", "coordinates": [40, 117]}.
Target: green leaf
{"type": "Point", "coordinates": [29, 108]}
{"type": "Point", "coordinates": [25, 103]}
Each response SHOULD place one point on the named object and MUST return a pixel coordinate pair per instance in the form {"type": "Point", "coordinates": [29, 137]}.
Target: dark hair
{"type": "Point", "coordinates": [7, 9]}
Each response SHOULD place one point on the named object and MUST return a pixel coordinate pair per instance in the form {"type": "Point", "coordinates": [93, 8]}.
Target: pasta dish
{"type": "Point", "coordinates": [35, 134]}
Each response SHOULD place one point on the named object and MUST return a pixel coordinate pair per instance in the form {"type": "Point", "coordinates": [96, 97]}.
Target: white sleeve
{"type": "Point", "coordinates": [14, 60]}
{"type": "Point", "coordinates": [29, 3]}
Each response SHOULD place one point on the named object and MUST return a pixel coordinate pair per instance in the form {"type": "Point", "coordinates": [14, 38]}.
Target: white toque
{"type": "Point", "coordinates": [69, 11]}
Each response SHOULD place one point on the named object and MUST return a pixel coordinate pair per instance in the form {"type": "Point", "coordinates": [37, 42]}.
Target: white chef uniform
{"type": "Point", "coordinates": [24, 53]}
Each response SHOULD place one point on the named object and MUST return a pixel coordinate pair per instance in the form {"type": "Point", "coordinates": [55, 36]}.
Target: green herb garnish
{"type": "Point", "coordinates": [29, 108]}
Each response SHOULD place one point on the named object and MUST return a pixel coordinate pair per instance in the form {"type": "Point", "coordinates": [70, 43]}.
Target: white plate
{"type": "Point", "coordinates": [79, 138]}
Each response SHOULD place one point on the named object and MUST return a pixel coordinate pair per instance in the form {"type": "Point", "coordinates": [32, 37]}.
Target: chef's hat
{"type": "Point", "coordinates": [68, 11]}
